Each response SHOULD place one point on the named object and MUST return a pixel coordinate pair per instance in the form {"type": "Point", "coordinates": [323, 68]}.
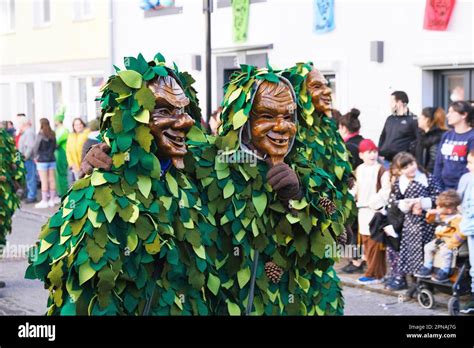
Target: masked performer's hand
{"type": "Point", "coordinates": [96, 157]}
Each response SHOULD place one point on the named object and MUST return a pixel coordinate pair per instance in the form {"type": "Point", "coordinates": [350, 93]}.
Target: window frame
{"type": "Point", "coordinates": [10, 17]}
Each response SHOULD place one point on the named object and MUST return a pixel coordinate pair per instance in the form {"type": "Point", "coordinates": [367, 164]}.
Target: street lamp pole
{"type": "Point", "coordinates": [207, 9]}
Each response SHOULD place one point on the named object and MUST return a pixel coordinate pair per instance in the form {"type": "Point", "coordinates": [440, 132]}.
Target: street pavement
{"type": "Point", "coordinates": [28, 297]}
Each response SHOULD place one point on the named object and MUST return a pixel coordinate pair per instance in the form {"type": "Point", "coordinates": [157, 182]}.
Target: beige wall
{"type": "Point", "coordinates": [62, 40]}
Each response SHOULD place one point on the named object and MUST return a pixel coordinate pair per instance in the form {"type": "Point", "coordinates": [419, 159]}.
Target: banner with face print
{"type": "Point", "coordinates": [240, 11]}
{"type": "Point", "coordinates": [323, 16]}
{"type": "Point", "coordinates": [437, 14]}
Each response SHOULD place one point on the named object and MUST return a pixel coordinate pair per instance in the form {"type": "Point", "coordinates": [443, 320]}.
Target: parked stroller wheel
{"type": "Point", "coordinates": [453, 306]}
{"type": "Point", "coordinates": [426, 298]}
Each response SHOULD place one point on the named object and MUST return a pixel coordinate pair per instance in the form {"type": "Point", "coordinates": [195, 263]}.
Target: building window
{"type": "Point", "coordinates": [83, 10]}
{"type": "Point", "coordinates": [82, 98]}
{"type": "Point", "coordinates": [7, 16]}
{"type": "Point", "coordinates": [453, 85]}
{"type": "Point", "coordinates": [26, 100]}
{"type": "Point", "coordinates": [42, 13]}
{"type": "Point", "coordinates": [5, 100]}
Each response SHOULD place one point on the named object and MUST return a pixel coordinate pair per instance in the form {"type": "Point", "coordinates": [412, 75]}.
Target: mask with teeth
{"type": "Point", "coordinates": [169, 123]}
{"type": "Point", "coordinates": [317, 85]}
{"type": "Point", "coordinates": [272, 123]}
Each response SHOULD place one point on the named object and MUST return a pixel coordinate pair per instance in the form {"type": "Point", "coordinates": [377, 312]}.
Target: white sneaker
{"type": "Point", "coordinates": [42, 205]}
{"type": "Point", "coordinates": [56, 200]}
{"type": "Point", "coordinates": [51, 203]}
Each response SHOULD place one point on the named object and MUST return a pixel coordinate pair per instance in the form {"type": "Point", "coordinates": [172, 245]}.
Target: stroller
{"type": "Point", "coordinates": [459, 283]}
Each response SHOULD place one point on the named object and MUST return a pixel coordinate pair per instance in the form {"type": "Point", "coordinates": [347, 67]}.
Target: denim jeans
{"type": "Point", "coordinates": [31, 183]}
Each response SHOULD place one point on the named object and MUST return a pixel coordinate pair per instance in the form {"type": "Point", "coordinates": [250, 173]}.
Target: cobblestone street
{"type": "Point", "coordinates": [27, 297]}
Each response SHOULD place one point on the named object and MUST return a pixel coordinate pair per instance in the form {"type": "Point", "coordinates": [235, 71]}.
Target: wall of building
{"type": "Point", "coordinates": [64, 52]}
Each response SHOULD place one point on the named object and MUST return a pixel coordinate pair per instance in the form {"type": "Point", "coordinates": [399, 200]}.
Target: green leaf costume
{"type": "Point", "coordinates": [252, 220]}
{"type": "Point", "coordinates": [126, 242]}
{"type": "Point", "coordinates": [13, 169]}
{"type": "Point", "coordinates": [60, 155]}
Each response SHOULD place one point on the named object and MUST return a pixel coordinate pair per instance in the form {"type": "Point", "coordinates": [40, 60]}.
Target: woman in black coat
{"type": "Point", "coordinates": [431, 127]}
{"type": "Point", "coordinates": [349, 127]}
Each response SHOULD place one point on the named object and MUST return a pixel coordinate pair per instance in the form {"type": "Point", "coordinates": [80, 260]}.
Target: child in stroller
{"type": "Point", "coordinates": [448, 236]}
{"type": "Point", "coordinates": [446, 256]}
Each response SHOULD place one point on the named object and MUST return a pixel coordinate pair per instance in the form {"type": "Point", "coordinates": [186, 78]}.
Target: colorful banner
{"type": "Point", "coordinates": [240, 11]}
{"type": "Point", "coordinates": [437, 14]}
{"type": "Point", "coordinates": [147, 5]}
{"type": "Point", "coordinates": [323, 16]}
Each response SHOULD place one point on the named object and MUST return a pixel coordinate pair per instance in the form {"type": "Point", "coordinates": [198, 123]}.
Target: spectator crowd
{"type": "Point", "coordinates": [414, 193]}
{"type": "Point", "coordinates": [52, 157]}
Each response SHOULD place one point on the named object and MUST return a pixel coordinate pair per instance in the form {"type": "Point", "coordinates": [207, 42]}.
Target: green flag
{"type": "Point", "coordinates": [240, 10]}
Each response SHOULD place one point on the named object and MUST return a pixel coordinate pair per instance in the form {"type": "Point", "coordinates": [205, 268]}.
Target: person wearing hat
{"type": "Point", "coordinates": [61, 160]}
{"type": "Point", "coordinates": [371, 191]}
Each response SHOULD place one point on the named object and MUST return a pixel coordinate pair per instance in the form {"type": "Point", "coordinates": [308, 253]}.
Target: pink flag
{"type": "Point", "coordinates": [437, 14]}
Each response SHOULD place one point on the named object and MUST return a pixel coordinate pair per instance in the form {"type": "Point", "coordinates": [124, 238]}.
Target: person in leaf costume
{"type": "Point", "coordinates": [125, 240]}
{"type": "Point", "coordinates": [325, 146]}
{"type": "Point", "coordinates": [275, 214]}
{"type": "Point", "coordinates": [60, 153]}
{"type": "Point", "coordinates": [12, 177]}
{"type": "Point", "coordinates": [272, 233]}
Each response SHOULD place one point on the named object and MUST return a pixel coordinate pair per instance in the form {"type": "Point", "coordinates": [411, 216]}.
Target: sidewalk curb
{"type": "Point", "coordinates": [386, 292]}
{"type": "Point", "coordinates": [44, 215]}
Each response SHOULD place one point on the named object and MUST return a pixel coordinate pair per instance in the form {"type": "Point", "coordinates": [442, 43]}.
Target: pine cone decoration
{"type": "Point", "coordinates": [328, 205]}
{"type": "Point", "coordinates": [350, 182]}
{"type": "Point", "coordinates": [273, 272]}
{"type": "Point", "coordinates": [343, 238]}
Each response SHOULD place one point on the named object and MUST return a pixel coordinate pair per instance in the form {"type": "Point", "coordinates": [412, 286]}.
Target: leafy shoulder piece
{"type": "Point", "coordinates": [108, 249]}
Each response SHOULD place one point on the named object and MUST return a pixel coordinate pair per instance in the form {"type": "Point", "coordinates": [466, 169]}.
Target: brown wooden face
{"type": "Point", "coordinates": [317, 85]}
{"type": "Point", "coordinates": [169, 123]}
{"type": "Point", "coordinates": [271, 120]}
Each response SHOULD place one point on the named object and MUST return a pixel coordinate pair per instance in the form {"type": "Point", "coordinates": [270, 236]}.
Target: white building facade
{"type": "Point", "coordinates": [428, 65]}
{"type": "Point", "coordinates": [55, 53]}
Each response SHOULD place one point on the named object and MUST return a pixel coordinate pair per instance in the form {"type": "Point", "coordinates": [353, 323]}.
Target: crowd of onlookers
{"type": "Point", "coordinates": [52, 157]}
{"type": "Point", "coordinates": [414, 192]}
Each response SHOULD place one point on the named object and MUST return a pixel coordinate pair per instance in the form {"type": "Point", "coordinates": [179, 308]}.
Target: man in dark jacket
{"type": "Point", "coordinates": [400, 128]}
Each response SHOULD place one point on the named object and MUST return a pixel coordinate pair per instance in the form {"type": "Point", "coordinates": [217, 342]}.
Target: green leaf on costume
{"type": "Point", "coordinates": [145, 98]}
{"type": "Point", "coordinates": [143, 227]}
{"type": "Point", "coordinates": [229, 189]}
{"type": "Point", "coordinates": [131, 78]}
{"type": "Point", "coordinates": [160, 70]}
{"type": "Point", "coordinates": [259, 200]}
{"type": "Point", "coordinates": [213, 284]}
{"type": "Point", "coordinates": [200, 252]}
{"type": "Point", "coordinates": [339, 172]}
{"type": "Point", "coordinates": [172, 184]}
{"type": "Point", "coordinates": [143, 116]}
{"type": "Point", "coordinates": [86, 272]}
{"type": "Point", "coordinates": [144, 137]}
{"type": "Point", "coordinates": [159, 57]}
{"type": "Point", "coordinates": [243, 277]}
{"type": "Point", "coordinates": [195, 134]}
{"type": "Point", "coordinates": [233, 308]}
{"type": "Point", "coordinates": [124, 141]}
{"type": "Point", "coordinates": [239, 119]}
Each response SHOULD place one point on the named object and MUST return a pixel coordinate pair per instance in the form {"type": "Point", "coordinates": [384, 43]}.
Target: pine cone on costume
{"type": "Point", "coordinates": [328, 205]}
{"type": "Point", "coordinates": [343, 238]}
{"type": "Point", "coordinates": [350, 182]}
{"type": "Point", "coordinates": [273, 272]}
